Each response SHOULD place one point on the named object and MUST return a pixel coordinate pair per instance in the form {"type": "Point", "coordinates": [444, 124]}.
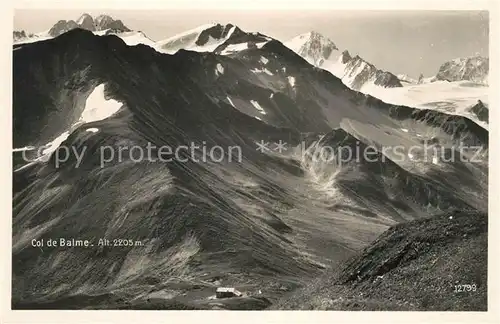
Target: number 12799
{"type": "Point", "coordinates": [465, 288]}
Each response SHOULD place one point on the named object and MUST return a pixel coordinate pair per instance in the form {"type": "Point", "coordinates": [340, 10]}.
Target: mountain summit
{"type": "Point", "coordinates": [215, 37]}
{"type": "Point", "coordinates": [313, 46]}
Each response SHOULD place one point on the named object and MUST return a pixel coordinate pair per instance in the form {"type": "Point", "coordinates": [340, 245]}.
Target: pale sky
{"type": "Point", "coordinates": [410, 42]}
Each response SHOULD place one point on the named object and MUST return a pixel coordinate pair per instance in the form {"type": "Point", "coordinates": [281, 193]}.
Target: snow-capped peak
{"type": "Point", "coordinates": [312, 46]}
{"type": "Point", "coordinates": [204, 38]}
{"type": "Point", "coordinates": [222, 39]}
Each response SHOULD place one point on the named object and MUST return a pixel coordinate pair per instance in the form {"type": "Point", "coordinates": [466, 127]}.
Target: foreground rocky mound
{"type": "Point", "coordinates": [421, 265]}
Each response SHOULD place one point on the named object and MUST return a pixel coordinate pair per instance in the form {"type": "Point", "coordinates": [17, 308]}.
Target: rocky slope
{"type": "Point", "coordinates": [416, 266]}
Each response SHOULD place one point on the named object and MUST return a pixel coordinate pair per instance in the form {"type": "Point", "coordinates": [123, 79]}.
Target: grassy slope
{"type": "Point", "coordinates": [412, 266]}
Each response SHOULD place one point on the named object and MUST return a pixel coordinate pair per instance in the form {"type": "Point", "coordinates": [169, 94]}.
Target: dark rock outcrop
{"type": "Point", "coordinates": [481, 111]}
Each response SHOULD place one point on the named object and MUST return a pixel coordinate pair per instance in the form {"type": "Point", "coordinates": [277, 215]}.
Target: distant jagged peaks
{"type": "Point", "coordinates": [101, 22]}
{"type": "Point", "coordinates": [475, 68]}
{"type": "Point", "coordinates": [19, 34]}
{"type": "Point", "coordinates": [358, 72]}
{"type": "Point", "coordinates": [354, 72]}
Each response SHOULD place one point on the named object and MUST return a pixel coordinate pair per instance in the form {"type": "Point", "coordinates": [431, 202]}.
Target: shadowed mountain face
{"type": "Point", "coordinates": [266, 220]}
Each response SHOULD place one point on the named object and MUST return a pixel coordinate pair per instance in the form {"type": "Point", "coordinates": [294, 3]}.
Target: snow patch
{"type": "Point", "coordinates": [22, 149]}
{"type": "Point", "coordinates": [264, 70]}
{"type": "Point", "coordinates": [234, 48]}
{"type": "Point", "coordinates": [258, 107]}
{"type": "Point", "coordinates": [291, 80]}
{"type": "Point", "coordinates": [260, 45]}
{"type": "Point", "coordinates": [268, 72]}
{"type": "Point", "coordinates": [220, 68]}
{"type": "Point", "coordinates": [92, 130]}
{"type": "Point", "coordinates": [230, 101]}
{"type": "Point", "coordinates": [196, 30]}
{"type": "Point", "coordinates": [52, 146]}
{"type": "Point", "coordinates": [264, 60]}
{"type": "Point", "coordinates": [136, 38]}
{"type": "Point", "coordinates": [98, 107]}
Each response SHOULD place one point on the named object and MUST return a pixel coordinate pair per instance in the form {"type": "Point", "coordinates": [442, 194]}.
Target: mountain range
{"type": "Point", "coordinates": [270, 222]}
{"type": "Point", "coordinates": [314, 47]}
